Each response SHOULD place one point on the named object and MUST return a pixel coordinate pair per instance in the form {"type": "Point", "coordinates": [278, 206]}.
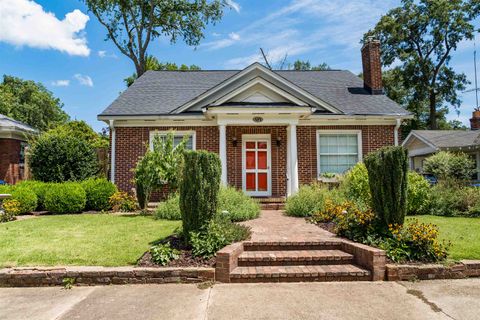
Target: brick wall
{"type": "Point", "coordinates": [131, 143]}
{"type": "Point", "coordinates": [278, 156]}
{"type": "Point", "coordinates": [9, 160]}
{"type": "Point", "coordinates": [373, 137]}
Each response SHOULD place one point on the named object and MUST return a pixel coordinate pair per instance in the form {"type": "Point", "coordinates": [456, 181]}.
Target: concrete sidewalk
{"type": "Point", "coordinates": [446, 299]}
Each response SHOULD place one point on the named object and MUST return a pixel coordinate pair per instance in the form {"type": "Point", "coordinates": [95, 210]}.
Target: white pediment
{"type": "Point", "coordinates": [258, 90]}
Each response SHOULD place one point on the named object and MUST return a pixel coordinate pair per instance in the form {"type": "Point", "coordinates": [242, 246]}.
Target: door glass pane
{"type": "Point", "coordinates": [250, 159]}
{"type": "Point", "coordinates": [250, 144]}
{"type": "Point", "coordinates": [262, 145]}
{"type": "Point", "coordinates": [262, 182]}
{"type": "Point", "coordinates": [262, 159]}
{"type": "Point", "coordinates": [250, 180]}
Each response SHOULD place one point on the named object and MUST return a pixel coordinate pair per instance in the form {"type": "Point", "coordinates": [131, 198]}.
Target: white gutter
{"type": "Point", "coordinates": [112, 157]}
{"type": "Point", "coordinates": [395, 132]}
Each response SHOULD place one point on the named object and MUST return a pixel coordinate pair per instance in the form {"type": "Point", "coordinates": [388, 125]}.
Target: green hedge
{"type": "Point", "coordinates": [66, 197]}
{"type": "Point", "coordinates": [98, 192]}
{"type": "Point", "coordinates": [39, 188]}
{"type": "Point", "coordinates": [309, 200]}
{"type": "Point", "coordinates": [26, 197]}
{"type": "Point", "coordinates": [199, 188]}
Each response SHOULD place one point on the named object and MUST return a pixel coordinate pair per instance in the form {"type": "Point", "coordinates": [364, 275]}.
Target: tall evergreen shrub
{"type": "Point", "coordinates": [199, 189]}
{"type": "Point", "coordinates": [387, 176]}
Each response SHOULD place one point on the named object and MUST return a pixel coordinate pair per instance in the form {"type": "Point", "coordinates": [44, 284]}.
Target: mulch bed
{"type": "Point", "coordinates": [186, 259]}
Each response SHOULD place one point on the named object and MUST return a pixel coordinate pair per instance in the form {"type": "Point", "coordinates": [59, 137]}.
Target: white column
{"type": "Point", "coordinates": [223, 152]}
{"type": "Point", "coordinates": [293, 158]}
{"type": "Point", "coordinates": [289, 164]}
{"type": "Point", "coordinates": [112, 148]}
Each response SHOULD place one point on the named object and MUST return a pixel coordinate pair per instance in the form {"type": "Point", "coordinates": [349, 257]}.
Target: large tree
{"type": "Point", "coordinates": [133, 24]}
{"type": "Point", "coordinates": [31, 103]}
{"type": "Point", "coordinates": [421, 36]}
{"type": "Point", "coordinates": [152, 63]}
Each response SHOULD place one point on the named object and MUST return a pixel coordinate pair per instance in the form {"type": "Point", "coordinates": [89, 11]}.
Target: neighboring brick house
{"type": "Point", "coordinates": [273, 130]}
{"type": "Point", "coordinates": [13, 137]}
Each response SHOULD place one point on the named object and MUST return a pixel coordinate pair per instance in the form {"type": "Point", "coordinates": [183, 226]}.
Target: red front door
{"type": "Point", "coordinates": [256, 165]}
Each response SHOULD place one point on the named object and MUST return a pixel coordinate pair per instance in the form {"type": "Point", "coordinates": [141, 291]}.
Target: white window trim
{"type": "Point", "coordinates": [336, 132]}
{"type": "Point", "coordinates": [192, 133]}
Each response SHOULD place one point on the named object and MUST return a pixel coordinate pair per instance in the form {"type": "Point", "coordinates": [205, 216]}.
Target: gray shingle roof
{"type": "Point", "coordinates": [9, 124]}
{"type": "Point", "coordinates": [449, 138]}
{"type": "Point", "coordinates": [160, 92]}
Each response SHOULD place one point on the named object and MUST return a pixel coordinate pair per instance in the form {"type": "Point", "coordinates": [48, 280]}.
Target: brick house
{"type": "Point", "coordinates": [273, 130]}
{"type": "Point", "coordinates": [13, 140]}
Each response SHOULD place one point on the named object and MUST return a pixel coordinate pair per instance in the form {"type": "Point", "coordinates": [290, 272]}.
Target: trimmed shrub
{"type": "Point", "coordinates": [236, 205]}
{"type": "Point", "coordinates": [169, 209]}
{"type": "Point", "coordinates": [40, 188]}
{"type": "Point", "coordinates": [387, 176]}
{"type": "Point", "coordinates": [418, 191]}
{"type": "Point", "coordinates": [58, 158]}
{"type": "Point", "coordinates": [26, 197]}
{"type": "Point", "coordinates": [199, 188]}
{"type": "Point", "coordinates": [98, 192]}
{"type": "Point", "coordinates": [68, 197]}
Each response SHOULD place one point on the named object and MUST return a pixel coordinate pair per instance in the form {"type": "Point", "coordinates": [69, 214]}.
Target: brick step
{"type": "Point", "coordinates": [292, 245]}
{"type": "Point", "coordinates": [271, 203]}
{"type": "Point", "coordinates": [342, 272]}
{"type": "Point", "coordinates": [294, 257]}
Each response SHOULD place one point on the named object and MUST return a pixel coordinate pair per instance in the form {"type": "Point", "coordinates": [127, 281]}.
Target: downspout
{"type": "Point", "coordinates": [395, 132]}
{"type": "Point", "coordinates": [112, 148]}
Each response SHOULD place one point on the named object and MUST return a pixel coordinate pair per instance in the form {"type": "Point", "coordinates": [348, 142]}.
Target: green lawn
{"type": "Point", "coordinates": [464, 233]}
{"type": "Point", "coordinates": [86, 239]}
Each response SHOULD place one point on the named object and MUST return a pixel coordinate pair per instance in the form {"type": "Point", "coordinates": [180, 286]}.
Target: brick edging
{"type": "Point", "coordinates": [408, 272]}
{"type": "Point", "coordinates": [54, 276]}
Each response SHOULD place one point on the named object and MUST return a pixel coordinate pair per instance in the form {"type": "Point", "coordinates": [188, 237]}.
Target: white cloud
{"type": "Point", "coordinates": [84, 80]}
{"type": "Point", "coordinates": [25, 23]}
{"type": "Point", "coordinates": [223, 43]}
{"type": "Point", "coordinates": [234, 5]}
{"type": "Point", "coordinates": [61, 83]}
{"type": "Point", "coordinates": [104, 54]}
{"type": "Point", "coordinates": [306, 27]}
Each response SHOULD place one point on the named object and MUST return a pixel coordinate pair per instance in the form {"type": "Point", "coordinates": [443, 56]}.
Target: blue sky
{"type": "Point", "coordinates": [62, 45]}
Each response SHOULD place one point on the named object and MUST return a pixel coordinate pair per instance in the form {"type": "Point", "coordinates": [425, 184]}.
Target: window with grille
{"type": "Point", "coordinates": [337, 152]}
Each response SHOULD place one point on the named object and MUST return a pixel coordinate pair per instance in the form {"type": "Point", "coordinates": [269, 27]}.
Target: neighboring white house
{"type": "Point", "coordinates": [423, 143]}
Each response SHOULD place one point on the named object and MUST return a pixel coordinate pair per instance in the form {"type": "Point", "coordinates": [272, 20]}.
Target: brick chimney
{"type": "Point", "coordinates": [475, 120]}
{"type": "Point", "coordinates": [372, 67]}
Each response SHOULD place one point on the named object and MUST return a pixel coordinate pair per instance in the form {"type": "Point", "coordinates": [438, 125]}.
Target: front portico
{"type": "Point", "coordinates": [258, 151]}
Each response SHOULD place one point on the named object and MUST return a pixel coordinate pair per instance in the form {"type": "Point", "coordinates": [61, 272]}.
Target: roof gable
{"type": "Point", "coordinates": [269, 83]}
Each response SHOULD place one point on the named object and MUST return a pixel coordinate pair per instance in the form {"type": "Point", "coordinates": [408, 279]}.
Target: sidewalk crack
{"type": "Point", "coordinates": [419, 295]}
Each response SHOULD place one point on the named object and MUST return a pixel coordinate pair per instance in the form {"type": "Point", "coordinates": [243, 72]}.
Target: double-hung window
{"type": "Point", "coordinates": [338, 151]}
{"type": "Point", "coordinates": [177, 137]}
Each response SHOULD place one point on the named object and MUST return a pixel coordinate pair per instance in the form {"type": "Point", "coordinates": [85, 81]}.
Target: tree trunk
{"type": "Point", "coordinates": [433, 111]}
{"type": "Point", "coordinates": [140, 68]}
